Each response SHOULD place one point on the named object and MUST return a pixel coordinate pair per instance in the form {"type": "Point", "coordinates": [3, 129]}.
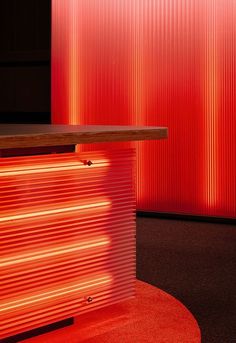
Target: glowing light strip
{"type": "Point", "coordinates": [74, 101]}
{"type": "Point", "coordinates": [49, 169]}
{"type": "Point", "coordinates": [137, 67]}
{"type": "Point", "coordinates": [137, 92]}
{"type": "Point", "coordinates": [59, 210]}
{"type": "Point", "coordinates": [54, 294]}
{"type": "Point", "coordinates": [211, 108]}
{"type": "Point", "coordinates": [53, 252]}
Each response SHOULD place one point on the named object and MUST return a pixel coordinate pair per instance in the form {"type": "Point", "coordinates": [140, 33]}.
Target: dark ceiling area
{"type": "Point", "coordinates": [25, 28]}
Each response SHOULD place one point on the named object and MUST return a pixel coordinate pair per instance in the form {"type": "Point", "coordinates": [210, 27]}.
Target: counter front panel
{"type": "Point", "coordinates": [67, 233]}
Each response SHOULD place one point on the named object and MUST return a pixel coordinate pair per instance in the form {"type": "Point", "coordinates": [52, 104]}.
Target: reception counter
{"type": "Point", "coordinates": [67, 223]}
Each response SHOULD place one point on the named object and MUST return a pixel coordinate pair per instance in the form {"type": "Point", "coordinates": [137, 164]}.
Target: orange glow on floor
{"type": "Point", "coordinates": [135, 320]}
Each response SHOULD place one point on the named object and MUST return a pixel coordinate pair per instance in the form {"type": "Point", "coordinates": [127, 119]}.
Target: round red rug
{"type": "Point", "coordinates": [152, 317]}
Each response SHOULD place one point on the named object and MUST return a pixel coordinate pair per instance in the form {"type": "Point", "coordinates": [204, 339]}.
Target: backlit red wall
{"type": "Point", "coordinates": [157, 62]}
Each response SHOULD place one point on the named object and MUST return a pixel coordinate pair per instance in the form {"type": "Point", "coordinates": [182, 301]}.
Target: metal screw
{"type": "Point", "coordinates": [89, 299]}
{"type": "Point", "coordinates": [87, 163]}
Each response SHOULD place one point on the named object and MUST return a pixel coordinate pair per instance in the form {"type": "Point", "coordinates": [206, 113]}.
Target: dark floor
{"type": "Point", "coordinates": [196, 263]}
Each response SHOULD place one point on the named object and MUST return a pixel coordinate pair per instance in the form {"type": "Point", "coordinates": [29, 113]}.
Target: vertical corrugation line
{"type": "Point", "coordinates": [137, 80]}
{"type": "Point", "coordinates": [67, 236]}
{"type": "Point", "coordinates": [167, 63]}
{"type": "Point", "coordinates": [74, 77]}
{"type": "Point", "coordinates": [211, 108]}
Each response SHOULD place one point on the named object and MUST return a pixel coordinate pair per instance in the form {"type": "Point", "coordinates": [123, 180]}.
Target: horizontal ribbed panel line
{"type": "Point", "coordinates": [69, 246]}
{"type": "Point", "coordinates": [65, 291]}
{"type": "Point", "coordinates": [39, 284]}
{"type": "Point", "coordinates": [81, 269]}
{"type": "Point", "coordinates": [71, 233]}
{"type": "Point", "coordinates": [52, 159]}
{"type": "Point", "coordinates": [84, 217]}
{"type": "Point", "coordinates": [76, 193]}
{"type": "Point", "coordinates": [63, 187]}
{"type": "Point", "coordinates": [80, 178]}
{"type": "Point", "coordinates": [70, 228]}
{"type": "Point", "coordinates": [96, 257]}
{"type": "Point", "coordinates": [98, 198]}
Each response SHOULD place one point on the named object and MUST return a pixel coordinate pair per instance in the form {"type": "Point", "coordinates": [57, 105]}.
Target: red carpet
{"type": "Point", "coordinates": [152, 317]}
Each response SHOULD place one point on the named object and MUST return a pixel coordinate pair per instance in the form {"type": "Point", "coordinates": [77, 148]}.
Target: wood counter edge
{"type": "Point", "coordinates": [73, 138]}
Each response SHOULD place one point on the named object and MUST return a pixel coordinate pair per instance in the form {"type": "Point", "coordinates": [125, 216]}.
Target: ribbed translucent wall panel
{"type": "Point", "coordinates": [67, 236]}
{"type": "Point", "coordinates": [157, 62]}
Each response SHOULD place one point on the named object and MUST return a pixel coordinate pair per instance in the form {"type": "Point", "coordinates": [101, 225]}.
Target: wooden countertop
{"type": "Point", "coordinates": [24, 136]}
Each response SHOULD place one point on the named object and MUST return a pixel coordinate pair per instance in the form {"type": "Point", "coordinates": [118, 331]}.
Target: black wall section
{"type": "Point", "coordinates": [25, 32]}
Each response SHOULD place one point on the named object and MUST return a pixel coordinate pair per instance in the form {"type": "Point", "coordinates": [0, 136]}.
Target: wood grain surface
{"type": "Point", "coordinates": [23, 136]}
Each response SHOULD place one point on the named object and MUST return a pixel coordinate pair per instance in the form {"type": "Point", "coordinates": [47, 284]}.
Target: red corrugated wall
{"type": "Point", "coordinates": [157, 62]}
